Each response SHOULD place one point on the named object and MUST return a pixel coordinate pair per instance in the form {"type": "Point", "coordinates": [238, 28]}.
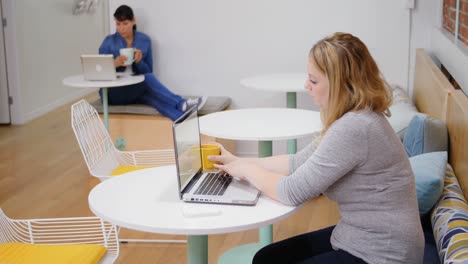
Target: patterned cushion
{"type": "Point", "coordinates": [450, 222]}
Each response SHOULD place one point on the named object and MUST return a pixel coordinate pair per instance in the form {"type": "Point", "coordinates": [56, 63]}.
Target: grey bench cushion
{"type": "Point", "coordinates": [213, 104]}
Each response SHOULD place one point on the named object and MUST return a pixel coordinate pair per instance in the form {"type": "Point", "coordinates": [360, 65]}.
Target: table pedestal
{"type": "Point", "coordinates": [291, 103]}
{"type": "Point", "coordinates": [80, 82]}
{"type": "Point", "coordinates": [197, 249]}
{"type": "Point", "coordinates": [105, 108]}
{"type": "Point", "coordinates": [245, 253]}
{"type": "Point", "coordinates": [120, 143]}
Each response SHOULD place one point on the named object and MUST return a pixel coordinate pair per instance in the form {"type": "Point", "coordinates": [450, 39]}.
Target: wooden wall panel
{"type": "Point", "coordinates": [457, 124]}
{"type": "Point", "coordinates": [431, 87]}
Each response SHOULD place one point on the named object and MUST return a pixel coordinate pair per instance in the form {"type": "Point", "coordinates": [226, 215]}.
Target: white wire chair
{"type": "Point", "coordinates": [100, 154]}
{"type": "Point", "coordinates": [102, 157]}
{"type": "Point", "coordinates": [62, 231]}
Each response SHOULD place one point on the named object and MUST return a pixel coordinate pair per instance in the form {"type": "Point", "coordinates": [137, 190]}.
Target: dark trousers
{"type": "Point", "coordinates": [313, 247]}
{"type": "Point", "coordinates": [150, 92]}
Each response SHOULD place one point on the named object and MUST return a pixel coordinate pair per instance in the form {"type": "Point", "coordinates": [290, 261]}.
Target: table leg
{"type": "Point", "coordinates": [265, 149]}
{"type": "Point", "coordinates": [105, 106]}
{"type": "Point", "coordinates": [291, 103]}
{"type": "Point", "coordinates": [291, 100]}
{"type": "Point", "coordinates": [120, 143]}
{"type": "Point", "coordinates": [245, 253]}
{"type": "Point", "coordinates": [197, 249]}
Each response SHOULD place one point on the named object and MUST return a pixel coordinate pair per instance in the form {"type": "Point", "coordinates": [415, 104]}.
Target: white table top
{"type": "Point", "coordinates": [282, 82]}
{"type": "Point", "coordinates": [147, 200]}
{"type": "Point", "coordinates": [261, 124]}
{"type": "Point", "coordinates": [79, 81]}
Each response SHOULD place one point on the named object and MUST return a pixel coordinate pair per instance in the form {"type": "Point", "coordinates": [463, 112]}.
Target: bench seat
{"type": "Point", "coordinates": [213, 104]}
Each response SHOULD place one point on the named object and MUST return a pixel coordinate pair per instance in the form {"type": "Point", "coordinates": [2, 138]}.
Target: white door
{"type": "Point", "coordinates": [4, 95]}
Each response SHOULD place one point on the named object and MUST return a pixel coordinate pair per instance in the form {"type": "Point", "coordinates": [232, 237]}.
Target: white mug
{"type": "Point", "coordinates": [130, 54]}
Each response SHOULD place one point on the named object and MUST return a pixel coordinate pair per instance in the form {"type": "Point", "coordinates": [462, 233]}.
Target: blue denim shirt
{"type": "Point", "coordinates": [114, 42]}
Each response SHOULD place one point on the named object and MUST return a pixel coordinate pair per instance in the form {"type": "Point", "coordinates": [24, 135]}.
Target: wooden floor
{"type": "Point", "coordinates": [43, 174]}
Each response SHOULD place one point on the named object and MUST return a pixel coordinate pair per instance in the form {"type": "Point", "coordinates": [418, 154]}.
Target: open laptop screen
{"type": "Point", "coordinates": [187, 146]}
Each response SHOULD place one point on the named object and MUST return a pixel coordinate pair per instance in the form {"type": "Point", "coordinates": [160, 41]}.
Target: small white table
{"type": "Point", "coordinates": [289, 83]}
{"type": "Point", "coordinates": [123, 80]}
{"type": "Point", "coordinates": [263, 125]}
{"type": "Point", "coordinates": [147, 200]}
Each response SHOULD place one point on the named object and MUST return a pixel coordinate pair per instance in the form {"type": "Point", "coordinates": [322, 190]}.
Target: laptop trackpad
{"type": "Point", "coordinates": [241, 189]}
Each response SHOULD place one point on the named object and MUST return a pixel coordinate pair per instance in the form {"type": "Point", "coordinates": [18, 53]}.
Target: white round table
{"type": "Point", "coordinates": [147, 200]}
{"type": "Point", "coordinates": [281, 82]}
{"type": "Point", "coordinates": [289, 83]}
{"type": "Point", "coordinates": [123, 80]}
{"type": "Point", "coordinates": [263, 125]}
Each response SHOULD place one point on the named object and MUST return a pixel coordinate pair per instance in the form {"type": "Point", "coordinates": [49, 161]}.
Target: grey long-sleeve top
{"type": "Point", "coordinates": [360, 163]}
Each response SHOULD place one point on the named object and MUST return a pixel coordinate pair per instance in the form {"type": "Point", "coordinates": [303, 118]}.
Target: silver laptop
{"type": "Point", "coordinates": [98, 67]}
{"type": "Point", "coordinates": [204, 187]}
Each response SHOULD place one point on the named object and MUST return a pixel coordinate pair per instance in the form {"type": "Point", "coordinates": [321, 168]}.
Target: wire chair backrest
{"type": "Point", "coordinates": [6, 229]}
{"type": "Point", "coordinates": [62, 231]}
{"type": "Point", "coordinates": [95, 143]}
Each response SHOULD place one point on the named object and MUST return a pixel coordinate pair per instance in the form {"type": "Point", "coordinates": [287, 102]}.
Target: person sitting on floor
{"type": "Point", "coordinates": [151, 91]}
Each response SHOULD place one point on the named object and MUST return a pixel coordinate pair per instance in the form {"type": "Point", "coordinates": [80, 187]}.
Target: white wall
{"type": "Point", "coordinates": [207, 46]}
{"type": "Point", "coordinates": [4, 105]}
{"type": "Point", "coordinates": [427, 33]}
{"type": "Point", "coordinates": [49, 41]}
{"type": "Point", "coordinates": [424, 17]}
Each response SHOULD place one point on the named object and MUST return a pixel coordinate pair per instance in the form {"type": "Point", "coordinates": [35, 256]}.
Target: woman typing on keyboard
{"type": "Point", "coordinates": [357, 161]}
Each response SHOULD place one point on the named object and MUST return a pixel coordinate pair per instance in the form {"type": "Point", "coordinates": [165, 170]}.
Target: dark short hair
{"type": "Point", "coordinates": [123, 12]}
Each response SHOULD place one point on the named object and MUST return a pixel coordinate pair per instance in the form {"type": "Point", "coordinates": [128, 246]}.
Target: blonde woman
{"type": "Point", "coordinates": [358, 161]}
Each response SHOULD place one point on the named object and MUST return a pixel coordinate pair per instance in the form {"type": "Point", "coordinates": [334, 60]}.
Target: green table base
{"type": "Point", "coordinates": [246, 253]}
{"type": "Point", "coordinates": [120, 143]}
{"type": "Point", "coordinates": [105, 106]}
{"type": "Point", "coordinates": [197, 249]}
{"type": "Point", "coordinates": [265, 149]}
{"type": "Point", "coordinates": [240, 255]}
{"type": "Point", "coordinates": [291, 103]}
{"type": "Point", "coordinates": [291, 100]}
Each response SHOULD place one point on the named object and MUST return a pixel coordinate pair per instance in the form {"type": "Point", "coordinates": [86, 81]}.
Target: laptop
{"type": "Point", "coordinates": [98, 67]}
{"type": "Point", "coordinates": [204, 187]}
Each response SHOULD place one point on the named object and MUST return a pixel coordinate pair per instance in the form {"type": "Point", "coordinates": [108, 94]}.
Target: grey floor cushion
{"type": "Point", "coordinates": [213, 104]}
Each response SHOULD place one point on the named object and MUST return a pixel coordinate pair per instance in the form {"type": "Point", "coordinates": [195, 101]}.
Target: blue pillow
{"type": "Point", "coordinates": [429, 172]}
{"type": "Point", "coordinates": [425, 134]}
{"type": "Point", "coordinates": [414, 136]}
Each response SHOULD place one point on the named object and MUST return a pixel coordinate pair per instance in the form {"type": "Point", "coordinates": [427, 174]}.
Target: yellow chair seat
{"type": "Point", "coordinates": [21, 253]}
{"type": "Point", "coordinates": [127, 168]}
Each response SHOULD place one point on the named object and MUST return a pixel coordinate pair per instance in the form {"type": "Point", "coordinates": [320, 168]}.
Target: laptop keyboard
{"type": "Point", "coordinates": [215, 183]}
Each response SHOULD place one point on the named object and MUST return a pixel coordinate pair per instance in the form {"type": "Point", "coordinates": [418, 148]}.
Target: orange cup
{"type": "Point", "coordinates": [209, 150]}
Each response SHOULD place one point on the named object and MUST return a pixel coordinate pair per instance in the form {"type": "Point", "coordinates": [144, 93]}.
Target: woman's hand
{"type": "Point", "coordinates": [120, 61]}
{"type": "Point", "coordinates": [138, 55]}
{"type": "Point", "coordinates": [225, 158]}
{"type": "Point", "coordinates": [241, 169]}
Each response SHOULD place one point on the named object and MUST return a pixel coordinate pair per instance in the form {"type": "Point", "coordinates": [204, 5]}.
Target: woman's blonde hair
{"type": "Point", "coordinates": [355, 82]}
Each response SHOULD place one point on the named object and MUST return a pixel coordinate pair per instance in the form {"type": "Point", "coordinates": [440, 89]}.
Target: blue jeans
{"type": "Point", "coordinates": [313, 247]}
{"type": "Point", "coordinates": [150, 92]}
